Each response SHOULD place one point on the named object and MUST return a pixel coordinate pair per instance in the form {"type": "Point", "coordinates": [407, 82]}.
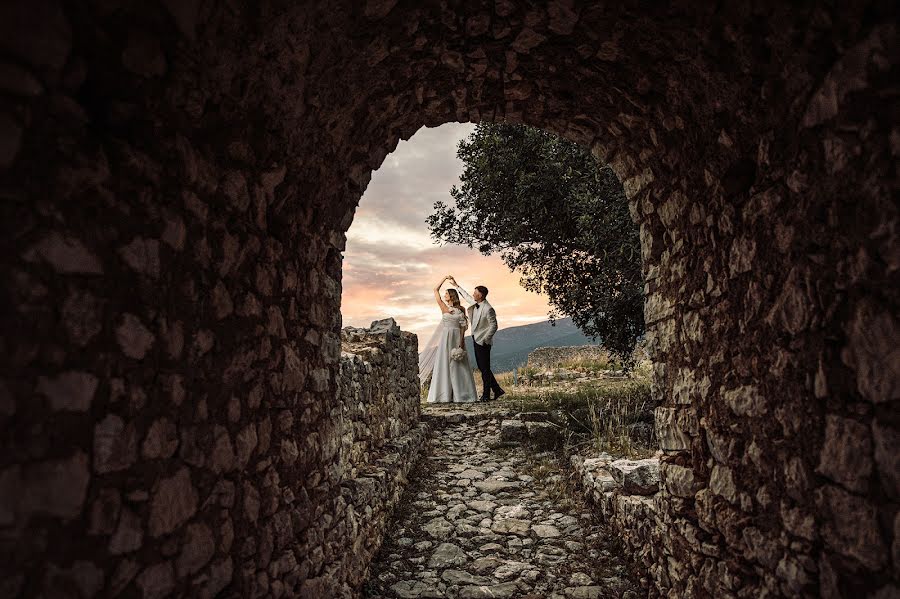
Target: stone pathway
{"type": "Point", "coordinates": [475, 524]}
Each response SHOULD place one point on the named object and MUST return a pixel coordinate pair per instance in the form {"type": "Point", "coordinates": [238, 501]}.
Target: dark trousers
{"type": "Point", "coordinates": [483, 360]}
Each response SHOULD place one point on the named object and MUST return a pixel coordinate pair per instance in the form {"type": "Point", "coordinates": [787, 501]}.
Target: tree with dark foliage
{"type": "Point", "coordinates": [559, 218]}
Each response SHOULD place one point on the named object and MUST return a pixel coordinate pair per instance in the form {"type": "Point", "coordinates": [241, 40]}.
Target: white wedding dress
{"type": "Point", "coordinates": [451, 381]}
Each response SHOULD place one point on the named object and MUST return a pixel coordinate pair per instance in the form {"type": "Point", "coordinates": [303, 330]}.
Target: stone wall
{"type": "Point", "coordinates": [626, 493]}
{"type": "Point", "coordinates": [379, 389]}
{"type": "Point", "coordinates": [177, 180]}
{"type": "Point", "coordinates": [380, 437]}
{"type": "Point", "coordinates": [547, 357]}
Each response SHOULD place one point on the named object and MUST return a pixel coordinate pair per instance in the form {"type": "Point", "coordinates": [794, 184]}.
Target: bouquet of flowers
{"type": "Point", "coordinates": [457, 354]}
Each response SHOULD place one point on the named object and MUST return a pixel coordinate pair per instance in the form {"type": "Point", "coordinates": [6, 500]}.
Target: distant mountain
{"type": "Point", "coordinates": [512, 345]}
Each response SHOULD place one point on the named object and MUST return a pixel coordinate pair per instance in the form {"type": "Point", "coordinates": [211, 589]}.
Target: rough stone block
{"type": "Point", "coordinates": [721, 482]}
{"type": "Point", "coordinates": [852, 527]}
{"type": "Point", "coordinates": [54, 487]}
{"type": "Point", "coordinates": [513, 431]}
{"type": "Point", "coordinates": [115, 445]}
{"type": "Point", "coordinates": [636, 477]}
{"type": "Point", "coordinates": [69, 391]}
{"type": "Point", "coordinates": [873, 352]}
{"type": "Point", "coordinates": [66, 255]}
{"type": "Point", "coordinates": [174, 501]}
{"type": "Point", "coordinates": [670, 435]}
{"type": "Point", "coordinates": [545, 435]}
{"type": "Point", "coordinates": [133, 337]}
{"type": "Point", "coordinates": [846, 455]}
{"type": "Point", "coordinates": [745, 400]}
{"type": "Point", "coordinates": [678, 480]}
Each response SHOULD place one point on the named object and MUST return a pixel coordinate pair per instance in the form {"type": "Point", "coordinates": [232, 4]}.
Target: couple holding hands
{"type": "Point", "coordinates": [445, 358]}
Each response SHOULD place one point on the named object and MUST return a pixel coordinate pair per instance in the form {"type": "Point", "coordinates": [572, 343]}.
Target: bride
{"type": "Point", "coordinates": [445, 356]}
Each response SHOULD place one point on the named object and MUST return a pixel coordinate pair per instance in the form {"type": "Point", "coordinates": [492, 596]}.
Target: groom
{"type": "Point", "coordinates": [483, 320]}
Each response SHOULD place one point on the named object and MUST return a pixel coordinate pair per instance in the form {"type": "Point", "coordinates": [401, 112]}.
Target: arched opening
{"type": "Point", "coordinates": [173, 266]}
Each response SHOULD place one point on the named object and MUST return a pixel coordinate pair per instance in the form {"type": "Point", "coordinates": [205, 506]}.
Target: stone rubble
{"type": "Point", "coordinates": [479, 526]}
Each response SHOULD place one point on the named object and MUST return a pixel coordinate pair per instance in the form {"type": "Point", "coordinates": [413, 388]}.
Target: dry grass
{"type": "Point", "coordinates": [616, 417]}
{"type": "Point", "coordinates": [505, 379]}
{"type": "Point", "coordinates": [613, 415]}
{"type": "Point", "coordinates": [606, 414]}
{"type": "Point", "coordinates": [551, 472]}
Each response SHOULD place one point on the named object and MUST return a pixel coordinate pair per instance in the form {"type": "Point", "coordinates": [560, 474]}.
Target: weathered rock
{"type": "Point", "coordinates": [66, 255]}
{"type": "Point", "coordinates": [129, 535]}
{"type": "Point", "coordinates": [513, 511]}
{"type": "Point", "coordinates": [846, 455]}
{"type": "Point", "coordinates": [245, 444]}
{"type": "Point", "coordinates": [198, 549]}
{"type": "Point", "coordinates": [511, 525]}
{"type": "Point", "coordinates": [637, 477]}
{"type": "Point", "coordinates": [161, 440]}
{"type": "Point", "coordinates": [471, 474]}
{"type": "Point", "coordinates": [142, 255]}
{"type": "Point", "coordinates": [104, 512]}
{"type": "Point", "coordinates": [174, 501]}
{"type": "Point", "coordinates": [221, 458]}
{"type": "Point", "coordinates": [721, 482]}
{"type": "Point", "coordinates": [482, 505]}
{"type": "Point", "coordinates": [545, 531]}
{"type": "Point", "coordinates": [544, 435]}
{"type": "Point", "coordinates": [447, 554]}
{"type": "Point", "coordinates": [462, 577]}
{"type": "Point", "coordinates": [115, 445]}
{"type": "Point", "coordinates": [679, 481]}
{"type": "Point", "coordinates": [438, 528]}
{"type": "Point", "coordinates": [414, 589]}
{"type": "Point", "coordinates": [133, 337]}
{"type": "Point", "coordinates": [54, 487]}
{"type": "Point", "coordinates": [745, 401]}
{"type": "Point", "coordinates": [502, 590]}
{"type": "Point", "coordinates": [81, 314]}
{"type": "Point", "coordinates": [513, 431]}
{"type": "Point", "coordinates": [872, 351]}
{"type": "Point", "coordinates": [156, 581]}
{"type": "Point", "coordinates": [852, 528]}
{"type": "Point", "coordinates": [84, 576]}
{"type": "Point", "coordinates": [495, 486]}
{"type": "Point", "coordinates": [220, 576]}
{"type": "Point", "coordinates": [70, 391]}
{"type": "Point", "coordinates": [669, 431]}
{"type": "Point", "coordinates": [584, 592]}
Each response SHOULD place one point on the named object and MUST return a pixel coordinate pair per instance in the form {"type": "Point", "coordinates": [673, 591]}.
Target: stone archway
{"type": "Point", "coordinates": [177, 181]}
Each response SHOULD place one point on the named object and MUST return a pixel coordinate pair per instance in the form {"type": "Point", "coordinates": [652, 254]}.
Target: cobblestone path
{"type": "Point", "coordinates": [474, 523]}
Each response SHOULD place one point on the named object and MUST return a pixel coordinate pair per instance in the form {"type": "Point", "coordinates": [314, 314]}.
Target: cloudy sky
{"type": "Point", "coordinates": [391, 264]}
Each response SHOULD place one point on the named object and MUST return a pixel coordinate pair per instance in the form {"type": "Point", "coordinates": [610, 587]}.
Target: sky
{"type": "Point", "coordinates": [391, 263]}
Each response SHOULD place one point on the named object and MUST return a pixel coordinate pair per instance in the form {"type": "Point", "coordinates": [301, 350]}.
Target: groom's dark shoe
{"type": "Point", "coordinates": [499, 393]}
{"type": "Point", "coordinates": [485, 398]}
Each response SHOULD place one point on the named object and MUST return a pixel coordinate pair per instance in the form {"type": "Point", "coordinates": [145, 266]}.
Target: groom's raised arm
{"type": "Point", "coordinates": [465, 294]}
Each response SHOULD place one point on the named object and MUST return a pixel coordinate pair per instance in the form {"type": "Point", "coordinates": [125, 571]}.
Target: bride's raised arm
{"type": "Point", "coordinates": [437, 296]}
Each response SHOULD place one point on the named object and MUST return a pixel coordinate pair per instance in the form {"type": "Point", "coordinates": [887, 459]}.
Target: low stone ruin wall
{"type": "Point", "coordinates": [379, 437]}
{"type": "Point", "coordinates": [547, 357]}
{"type": "Point", "coordinates": [627, 493]}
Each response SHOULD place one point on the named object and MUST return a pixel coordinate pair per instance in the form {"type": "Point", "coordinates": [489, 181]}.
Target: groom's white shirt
{"type": "Point", "coordinates": [482, 319]}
